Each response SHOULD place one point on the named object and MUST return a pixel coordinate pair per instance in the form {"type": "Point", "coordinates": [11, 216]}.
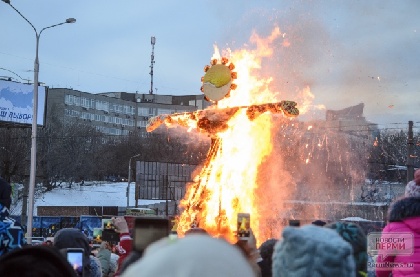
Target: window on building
{"type": "Point", "coordinates": [164, 111]}
{"type": "Point", "coordinates": [76, 100]}
{"type": "Point", "coordinates": [68, 99]}
{"type": "Point", "coordinates": [71, 113]}
{"type": "Point", "coordinates": [85, 115]}
{"type": "Point", "coordinates": [92, 103]}
{"type": "Point", "coordinates": [102, 105]}
{"type": "Point", "coordinates": [142, 123]}
{"type": "Point", "coordinates": [143, 111]}
{"type": "Point", "coordinates": [200, 104]}
{"type": "Point", "coordinates": [84, 102]}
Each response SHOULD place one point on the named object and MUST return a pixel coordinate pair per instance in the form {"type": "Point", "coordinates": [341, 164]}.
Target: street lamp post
{"type": "Point", "coordinates": [129, 180]}
{"type": "Point", "coordinates": [32, 175]}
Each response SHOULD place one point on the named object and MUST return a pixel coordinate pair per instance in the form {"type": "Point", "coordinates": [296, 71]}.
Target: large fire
{"type": "Point", "coordinates": [228, 181]}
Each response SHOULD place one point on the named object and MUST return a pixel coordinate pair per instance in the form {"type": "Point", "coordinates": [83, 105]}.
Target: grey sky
{"type": "Point", "coordinates": [338, 48]}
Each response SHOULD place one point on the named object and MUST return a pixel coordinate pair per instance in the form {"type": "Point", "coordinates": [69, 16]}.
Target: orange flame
{"type": "Point", "coordinates": [226, 184]}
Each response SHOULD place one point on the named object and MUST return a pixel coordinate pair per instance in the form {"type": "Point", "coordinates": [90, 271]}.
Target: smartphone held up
{"type": "Point", "coordinates": [75, 257]}
{"type": "Point", "coordinates": [244, 226]}
{"type": "Point", "coordinates": [108, 232]}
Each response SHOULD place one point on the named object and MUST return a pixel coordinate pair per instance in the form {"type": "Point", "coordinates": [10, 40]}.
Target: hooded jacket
{"type": "Point", "coordinates": [74, 238]}
{"type": "Point", "coordinates": [403, 216]}
{"type": "Point", "coordinates": [104, 257]}
{"type": "Point", "coordinates": [12, 235]}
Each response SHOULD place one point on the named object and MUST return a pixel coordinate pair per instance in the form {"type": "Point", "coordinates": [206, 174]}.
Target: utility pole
{"type": "Point", "coordinates": [129, 180]}
{"type": "Point", "coordinates": [153, 41]}
{"type": "Point", "coordinates": [410, 152]}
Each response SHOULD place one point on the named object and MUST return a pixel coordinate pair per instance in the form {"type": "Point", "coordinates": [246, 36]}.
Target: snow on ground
{"type": "Point", "coordinates": [355, 219]}
{"type": "Point", "coordinates": [91, 194]}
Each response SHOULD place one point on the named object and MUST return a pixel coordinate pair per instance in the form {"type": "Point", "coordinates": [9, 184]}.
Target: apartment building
{"type": "Point", "coordinates": [117, 113]}
{"type": "Point", "coordinates": [351, 120]}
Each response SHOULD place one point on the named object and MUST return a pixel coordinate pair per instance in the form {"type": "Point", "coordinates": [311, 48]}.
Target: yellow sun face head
{"type": "Point", "coordinates": [217, 81]}
{"type": "Point", "coordinates": [218, 75]}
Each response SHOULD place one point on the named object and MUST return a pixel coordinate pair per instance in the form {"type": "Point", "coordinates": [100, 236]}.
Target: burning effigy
{"type": "Point", "coordinates": [240, 126]}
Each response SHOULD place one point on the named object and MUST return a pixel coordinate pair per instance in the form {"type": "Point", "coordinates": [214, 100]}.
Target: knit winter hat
{"type": "Point", "coordinates": [353, 234]}
{"type": "Point", "coordinates": [312, 251]}
{"type": "Point", "coordinates": [191, 256]}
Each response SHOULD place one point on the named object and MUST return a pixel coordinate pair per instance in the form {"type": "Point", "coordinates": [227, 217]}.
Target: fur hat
{"type": "Point", "coordinates": [353, 234]}
{"type": "Point", "coordinates": [5, 193]}
{"type": "Point", "coordinates": [312, 251]}
{"type": "Point", "coordinates": [403, 208]}
{"type": "Point", "coordinates": [193, 255]}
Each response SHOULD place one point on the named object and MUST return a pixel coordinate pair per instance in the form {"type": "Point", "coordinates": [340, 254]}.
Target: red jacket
{"type": "Point", "coordinates": [124, 248]}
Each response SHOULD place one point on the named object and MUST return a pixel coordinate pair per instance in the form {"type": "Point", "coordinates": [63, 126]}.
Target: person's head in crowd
{"type": "Point", "coordinates": [74, 238]}
{"type": "Point", "coordinates": [312, 251]}
{"type": "Point", "coordinates": [266, 251]}
{"type": "Point", "coordinates": [104, 245]}
{"type": "Point", "coordinates": [417, 177]}
{"type": "Point", "coordinates": [193, 255]}
{"type": "Point", "coordinates": [412, 188]}
{"type": "Point", "coordinates": [294, 222]}
{"type": "Point", "coordinates": [353, 234]}
{"type": "Point", "coordinates": [319, 223]}
{"type": "Point", "coordinates": [35, 261]}
{"type": "Point", "coordinates": [195, 230]}
{"type": "Point", "coordinates": [5, 193]}
{"type": "Point", "coordinates": [48, 243]}
{"type": "Point", "coordinates": [404, 209]}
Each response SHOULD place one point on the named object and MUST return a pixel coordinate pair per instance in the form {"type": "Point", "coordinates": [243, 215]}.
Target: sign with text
{"type": "Point", "coordinates": [16, 103]}
{"type": "Point", "coordinates": [391, 244]}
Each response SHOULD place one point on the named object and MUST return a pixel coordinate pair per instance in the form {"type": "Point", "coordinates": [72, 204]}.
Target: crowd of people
{"type": "Point", "coordinates": [318, 249]}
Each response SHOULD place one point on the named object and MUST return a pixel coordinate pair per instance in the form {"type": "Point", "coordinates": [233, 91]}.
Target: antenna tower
{"type": "Point", "coordinates": [153, 41]}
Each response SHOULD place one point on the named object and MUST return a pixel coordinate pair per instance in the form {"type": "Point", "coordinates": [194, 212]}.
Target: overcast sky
{"type": "Point", "coordinates": [347, 52]}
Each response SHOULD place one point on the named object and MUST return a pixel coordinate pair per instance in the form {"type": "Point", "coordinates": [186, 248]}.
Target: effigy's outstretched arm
{"type": "Point", "coordinates": [214, 120]}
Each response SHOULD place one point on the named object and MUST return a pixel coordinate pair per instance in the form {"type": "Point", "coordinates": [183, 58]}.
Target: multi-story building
{"type": "Point", "coordinates": [117, 113]}
{"type": "Point", "coordinates": [350, 120]}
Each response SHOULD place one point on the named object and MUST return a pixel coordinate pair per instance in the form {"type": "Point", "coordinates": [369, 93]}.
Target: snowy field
{"type": "Point", "coordinates": [91, 194]}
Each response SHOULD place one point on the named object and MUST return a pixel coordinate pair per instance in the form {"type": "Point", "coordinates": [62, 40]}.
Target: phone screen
{"type": "Point", "coordinates": [107, 224]}
{"type": "Point", "coordinates": [244, 226]}
{"type": "Point", "coordinates": [75, 258]}
{"type": "Point", "coordinates": [149, 230]}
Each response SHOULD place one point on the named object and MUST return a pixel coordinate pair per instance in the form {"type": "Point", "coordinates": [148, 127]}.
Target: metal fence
{"type": "Point", "coordinates": [162, 181]}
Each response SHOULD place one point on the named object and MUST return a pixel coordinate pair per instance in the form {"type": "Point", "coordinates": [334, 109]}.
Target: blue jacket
{"type": "Point", "coordinates": [12, 235]}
